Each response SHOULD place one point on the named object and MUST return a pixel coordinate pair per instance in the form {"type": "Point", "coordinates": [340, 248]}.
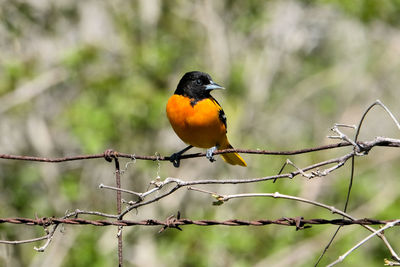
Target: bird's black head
{"type": "Point", "coordinates": [196, 85]}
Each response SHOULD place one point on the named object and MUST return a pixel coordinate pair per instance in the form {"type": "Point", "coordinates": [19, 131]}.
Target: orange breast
{"type": "Point", "coordinates": [197, 125]}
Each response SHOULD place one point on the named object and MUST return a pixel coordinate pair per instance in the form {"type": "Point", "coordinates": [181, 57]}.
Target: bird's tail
{"type": "Point", "coordinates": [232, 158]}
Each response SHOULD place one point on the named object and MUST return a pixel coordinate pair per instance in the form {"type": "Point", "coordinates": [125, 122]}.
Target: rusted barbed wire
{"type": "Point", "coordinates": [386, 142]}
{"type": "Point", "coordinates": [173, 223]}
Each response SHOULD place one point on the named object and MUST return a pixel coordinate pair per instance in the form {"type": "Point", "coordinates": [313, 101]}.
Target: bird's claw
{"type": "Point", "coordinates": [210, 152]}
{"type": "Point", "coordinates": [175, 159]}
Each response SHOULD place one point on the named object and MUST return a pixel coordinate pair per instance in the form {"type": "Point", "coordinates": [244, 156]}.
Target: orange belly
{"type": "Point", "coordinates": [197, 125]}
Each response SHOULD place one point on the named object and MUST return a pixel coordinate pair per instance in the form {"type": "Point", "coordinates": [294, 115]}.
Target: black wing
{"type": "Point", "coordinates": [221, 113]}
{"type": "Point", "coordinates": [222, 117]}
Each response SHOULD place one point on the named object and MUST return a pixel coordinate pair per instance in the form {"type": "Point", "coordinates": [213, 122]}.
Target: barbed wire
{"type": "Point", "coordinates": [173, 222]}
{"type": "Point", "coordinates": [384, 142]}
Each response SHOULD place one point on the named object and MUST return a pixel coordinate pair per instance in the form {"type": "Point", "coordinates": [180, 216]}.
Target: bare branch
{"type": "Point", "coordinates": [342, 257]}
{"type": "Point", "coordinates": [78, 211]}
{"type": "Point", "coordinates": [121, 190]}
{"type": "Point", "coordinates": [18, 242]}
{"type": "Point", "coordinates": [49, 238]}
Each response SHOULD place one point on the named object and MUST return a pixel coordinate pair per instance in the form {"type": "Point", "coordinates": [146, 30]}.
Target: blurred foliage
{"type": "Point", "coordinates": [368, 10]}
{"type": "Point", "coordinates": [292, 69]}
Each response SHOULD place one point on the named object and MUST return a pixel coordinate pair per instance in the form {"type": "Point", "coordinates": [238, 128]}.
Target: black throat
{"type": "Point", "coordinates": [195, 96]}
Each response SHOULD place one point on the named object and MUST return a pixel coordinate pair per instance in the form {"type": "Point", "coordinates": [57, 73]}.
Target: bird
{"type": "Point", "coordinates": [198, 119]}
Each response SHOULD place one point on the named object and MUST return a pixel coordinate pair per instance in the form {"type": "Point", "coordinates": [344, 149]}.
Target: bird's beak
{"type": "Point", "coordinates": [213, 86]}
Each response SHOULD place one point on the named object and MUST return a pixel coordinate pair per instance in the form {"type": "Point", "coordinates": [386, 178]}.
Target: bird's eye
{"type": "Point", "coordinates": [198, 81]}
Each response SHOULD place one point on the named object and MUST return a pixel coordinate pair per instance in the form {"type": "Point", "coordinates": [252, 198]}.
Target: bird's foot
{"type": "Point", "coordinates": [175, 159]}
{"type": "Point", "coordinates": [210, 152]}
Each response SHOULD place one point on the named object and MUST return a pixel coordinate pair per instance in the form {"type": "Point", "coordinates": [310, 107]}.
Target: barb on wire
{"type": "Point", "coordinates": [46, 223]}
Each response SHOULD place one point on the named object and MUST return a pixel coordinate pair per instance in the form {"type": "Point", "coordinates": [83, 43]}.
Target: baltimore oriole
{"type": "Point", "coordinates": [198, 119]}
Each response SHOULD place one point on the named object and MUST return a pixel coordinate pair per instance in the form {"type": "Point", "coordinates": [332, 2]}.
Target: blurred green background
{"type": "Point", "coordinates": [82, 76]}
